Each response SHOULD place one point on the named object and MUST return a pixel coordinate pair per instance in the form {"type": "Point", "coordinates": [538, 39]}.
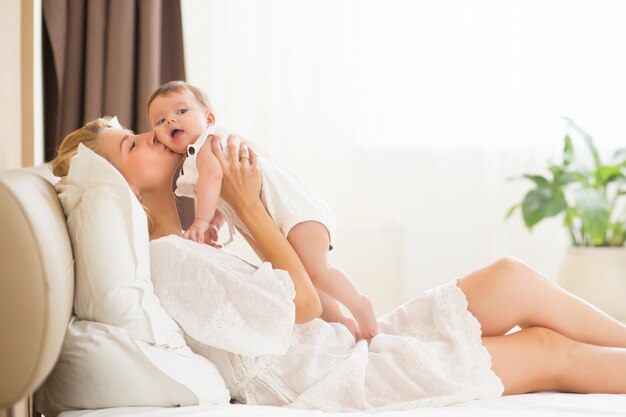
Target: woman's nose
{"type": "Point", "coordinates": [147, 138]}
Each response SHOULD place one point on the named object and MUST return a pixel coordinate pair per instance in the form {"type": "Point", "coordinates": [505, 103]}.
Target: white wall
{"type": "Point", "coordinates": [286, 74]}
{"type": "Point", "coordinates": [10, 99]}
{"type": "Point", "coordinates": [21, 101]}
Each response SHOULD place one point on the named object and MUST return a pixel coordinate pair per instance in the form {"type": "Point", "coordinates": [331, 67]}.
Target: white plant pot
{"type": "Point", "coordinates": [597, 275]}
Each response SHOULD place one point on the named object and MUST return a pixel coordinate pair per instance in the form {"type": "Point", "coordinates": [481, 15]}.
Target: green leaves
{"type": "Point", "coordinates": [539, 204]}
{"type": "Point", "coordinates": [594, 211]}
{"type": "Point", "coordinates": [586, 196]}
{"type": "Point", "coordinates": [539, 181]}
{"type": "Point", "coordinates": [568, 151]}
{"type": "Point", "coordinates": [618, 233]}
{"type": "Point", "coordinates": [588, 141]}
{"type": "Point", "coordinates": [608, 173]}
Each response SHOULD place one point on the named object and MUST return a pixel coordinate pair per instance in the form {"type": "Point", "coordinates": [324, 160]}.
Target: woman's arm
{"type": "Point", "coordinates": [241, 188]}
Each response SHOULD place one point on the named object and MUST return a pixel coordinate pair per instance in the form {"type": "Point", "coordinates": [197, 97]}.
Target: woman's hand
{"type": "Point", "coordinates": [241, 182]}
{"type": "Point", "coordinates": [241, 188]}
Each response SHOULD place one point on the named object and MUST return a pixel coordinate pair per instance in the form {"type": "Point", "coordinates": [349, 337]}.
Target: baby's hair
{"type": "Point", "coordinates": [178, 87]}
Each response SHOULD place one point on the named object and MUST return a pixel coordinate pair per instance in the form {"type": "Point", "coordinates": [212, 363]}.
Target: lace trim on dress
{"type": "Point", "coordinates": [457, 304]}
{"type": "Point", "coordinates": [453, 300]}
{"type": "Point", "coordinates": [254, 366]}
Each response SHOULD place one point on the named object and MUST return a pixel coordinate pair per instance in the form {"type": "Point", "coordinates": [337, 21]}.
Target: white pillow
{"type": "Point", "coordinates": [134, 338]}
{"type": "Point", "coordinates": [101, 366]}
{"type": "Point", "coordinates": [109, 234]}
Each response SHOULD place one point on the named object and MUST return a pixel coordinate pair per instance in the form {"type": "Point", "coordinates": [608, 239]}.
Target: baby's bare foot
{"type": "Point", "coordinates": [350, 323]}
{"type": "Point", "coordinates": [365, 318]}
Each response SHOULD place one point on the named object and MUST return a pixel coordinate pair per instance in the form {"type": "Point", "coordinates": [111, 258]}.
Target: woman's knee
{"type": "Point", "coordinates": [508, 276]}
{"type": "Point", "coordinates": [533, 359]}
{"type": "Point", "coordinates": [553, 351]}
{"type": "Point", "coordinates": [511, 267]}
{"type": "Point", "coordinates": [517, 274]}
{"type": "Point", "coordinates": [546, 339]}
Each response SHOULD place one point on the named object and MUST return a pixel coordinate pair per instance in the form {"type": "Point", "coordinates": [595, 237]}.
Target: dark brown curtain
{"type": "Point", "coordinates": [105, 57]}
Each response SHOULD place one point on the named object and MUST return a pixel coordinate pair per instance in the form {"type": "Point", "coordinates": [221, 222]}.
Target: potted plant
{"type": "Point", "coordinates": [589, 199]}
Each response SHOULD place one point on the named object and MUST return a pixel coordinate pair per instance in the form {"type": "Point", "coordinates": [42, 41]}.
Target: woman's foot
{"type": "Point", "coordinates": [365, 318]}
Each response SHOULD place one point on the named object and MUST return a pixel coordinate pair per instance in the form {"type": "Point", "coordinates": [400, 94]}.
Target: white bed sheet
{"type": "Point", "coordinates": [545, 404]}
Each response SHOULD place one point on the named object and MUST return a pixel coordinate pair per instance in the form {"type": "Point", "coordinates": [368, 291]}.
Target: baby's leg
{"type": "Point", "coordinates": [310, 241]}
{"type": "Point", "coordinates": [332, 313]}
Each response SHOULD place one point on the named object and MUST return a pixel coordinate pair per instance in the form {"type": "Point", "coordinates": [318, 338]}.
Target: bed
{"type": "Point", "coordinates": [36, 297]}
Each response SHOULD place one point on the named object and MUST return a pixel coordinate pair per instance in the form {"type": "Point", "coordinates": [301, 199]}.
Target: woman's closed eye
{"type": "Point", "coordinates": [132, 146]}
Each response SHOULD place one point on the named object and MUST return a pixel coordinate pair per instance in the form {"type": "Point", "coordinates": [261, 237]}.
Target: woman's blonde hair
{"type": "Point", "coordinates": [87, 135]}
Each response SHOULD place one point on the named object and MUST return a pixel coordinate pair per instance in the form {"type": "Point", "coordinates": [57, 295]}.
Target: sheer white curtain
{"type": "Point", "coordinates": [409, 116]}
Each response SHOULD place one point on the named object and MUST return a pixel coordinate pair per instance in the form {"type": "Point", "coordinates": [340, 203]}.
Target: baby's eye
{"type": "Point", "coordinates": [160, 121]}
{"type": "Point", "coordinates": [182, 111]}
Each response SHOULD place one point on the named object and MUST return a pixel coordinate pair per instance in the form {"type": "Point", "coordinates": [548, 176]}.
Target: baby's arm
{"type": "Point", "coordinates": [207, 190]}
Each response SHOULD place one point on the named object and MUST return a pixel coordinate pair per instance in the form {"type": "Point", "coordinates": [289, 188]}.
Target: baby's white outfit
{"type": "Point", "coordinates": [288, 198]}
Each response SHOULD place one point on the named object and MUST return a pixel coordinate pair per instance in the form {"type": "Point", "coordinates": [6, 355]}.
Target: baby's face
{"type": "Point", "coordinates": [178, 119]}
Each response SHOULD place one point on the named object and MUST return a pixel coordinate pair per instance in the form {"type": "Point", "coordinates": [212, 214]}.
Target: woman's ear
{"type": "Point", "coordinates": [210, 117]}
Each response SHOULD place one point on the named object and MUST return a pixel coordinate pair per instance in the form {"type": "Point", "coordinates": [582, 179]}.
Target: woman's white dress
{"type": "Point", "coordinates": [428, 351]}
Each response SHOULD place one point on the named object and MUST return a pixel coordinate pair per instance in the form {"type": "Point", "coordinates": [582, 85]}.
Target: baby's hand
{"type": "Point", "coordinates": [196, 230]}
{"type": "Point", "coordinates": [211, 236]}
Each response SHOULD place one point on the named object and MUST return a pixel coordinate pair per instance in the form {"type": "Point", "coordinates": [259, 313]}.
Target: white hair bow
{"type": "Point", "coordinates": [116, 123]}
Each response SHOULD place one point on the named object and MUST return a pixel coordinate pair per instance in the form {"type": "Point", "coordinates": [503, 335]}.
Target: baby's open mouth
{"type": "Point", "coordinates": [175, 132]}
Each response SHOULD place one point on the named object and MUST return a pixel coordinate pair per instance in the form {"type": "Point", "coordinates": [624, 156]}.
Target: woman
{"type": "Point", "coordinates": [564, 344]}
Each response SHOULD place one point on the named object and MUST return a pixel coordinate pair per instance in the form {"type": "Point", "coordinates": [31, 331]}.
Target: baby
{"type": "Point", "coordinates": [183, 119]}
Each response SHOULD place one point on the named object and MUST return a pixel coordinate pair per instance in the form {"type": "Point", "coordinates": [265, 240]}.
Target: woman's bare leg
{"type": "Point", "coordinates": [310, 241]}
{"type": "Point", "coordinates": [539, 359]}
{"type": "Point", "coordinates": [509, 293]}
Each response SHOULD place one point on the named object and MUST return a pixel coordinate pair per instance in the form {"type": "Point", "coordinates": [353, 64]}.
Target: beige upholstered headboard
{"type": "Point", "coordinates": [36, 281]}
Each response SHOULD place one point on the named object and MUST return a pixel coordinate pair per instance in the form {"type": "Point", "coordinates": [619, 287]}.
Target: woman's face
{"type": "Point", "coordinates": [145, 162]}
